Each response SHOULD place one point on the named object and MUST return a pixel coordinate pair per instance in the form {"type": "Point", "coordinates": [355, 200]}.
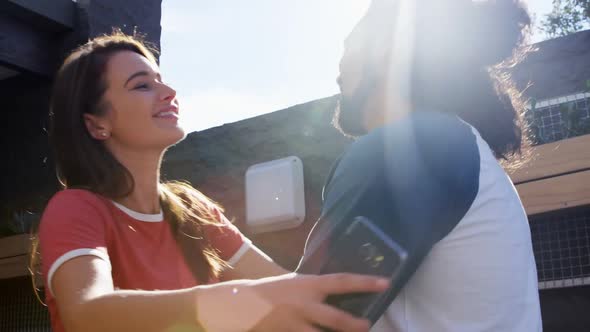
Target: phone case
{"type": "Point", "coordinates": [363, 248]}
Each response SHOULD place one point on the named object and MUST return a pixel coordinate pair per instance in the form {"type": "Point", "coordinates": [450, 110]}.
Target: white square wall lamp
{"type": "Point", "coordinates": [275, 198]}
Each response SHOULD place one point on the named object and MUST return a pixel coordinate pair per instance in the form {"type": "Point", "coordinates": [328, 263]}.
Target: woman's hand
{"type": "Point", "coordinates": [290, 302]}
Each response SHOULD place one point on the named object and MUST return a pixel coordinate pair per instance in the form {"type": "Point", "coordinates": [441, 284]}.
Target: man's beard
{"type": "Point", "coordinates": [348, 117]}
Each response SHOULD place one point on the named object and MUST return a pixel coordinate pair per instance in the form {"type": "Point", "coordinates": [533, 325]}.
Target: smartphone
{"type": "Point", "coordinates": [364, 249]}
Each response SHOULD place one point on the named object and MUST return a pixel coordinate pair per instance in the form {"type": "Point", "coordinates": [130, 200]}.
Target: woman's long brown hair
{"type": "Point", "coordinates": [84, 162]}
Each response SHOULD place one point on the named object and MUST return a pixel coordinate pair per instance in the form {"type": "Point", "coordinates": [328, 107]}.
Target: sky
{"type": "Point", "coordinates": [234, 59]}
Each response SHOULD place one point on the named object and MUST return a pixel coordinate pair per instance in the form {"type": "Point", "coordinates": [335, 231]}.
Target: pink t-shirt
{"type": "Point", "coordinates": [140, 248]}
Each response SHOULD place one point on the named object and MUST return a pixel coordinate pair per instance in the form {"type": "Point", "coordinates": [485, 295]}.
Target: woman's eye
{"type": "Point", "coordinates": [142, 86]}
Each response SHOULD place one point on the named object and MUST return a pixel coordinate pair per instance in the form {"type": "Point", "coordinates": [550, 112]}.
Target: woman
{"type": "Point", "coordinates": [113, 242]}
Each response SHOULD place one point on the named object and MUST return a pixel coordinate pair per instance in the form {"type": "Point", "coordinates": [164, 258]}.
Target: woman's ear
{"type": "Point", "coordinates": [97, 127]}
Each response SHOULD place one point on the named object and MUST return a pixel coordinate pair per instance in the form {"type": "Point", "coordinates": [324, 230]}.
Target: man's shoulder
{"type": "Point", "coordinates": [433, 138]}
{"type": "Point", "coordinates": [420, 127]}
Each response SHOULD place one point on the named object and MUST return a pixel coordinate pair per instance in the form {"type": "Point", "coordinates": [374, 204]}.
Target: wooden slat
{"type": "Point", "coordinates": [14, 245]}
{"type": "Point", "coordinates": [23, 47]}
{"type": "Point", "coordinates": [48, 14]}
{"type": "Point", "coordinates": [555, 193]}
{"type": "Point", "coordinates": [555, 158]}
{"type": "Point", "coordinates": [14, 256]}
{"type": "Point", "coordinates": [14, 267]}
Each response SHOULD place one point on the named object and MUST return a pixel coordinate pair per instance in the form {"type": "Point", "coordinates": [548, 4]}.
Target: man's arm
{"type": "Point", "coordinates": [415, 179]}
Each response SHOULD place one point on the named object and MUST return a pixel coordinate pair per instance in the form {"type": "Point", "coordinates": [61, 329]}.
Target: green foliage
{"type": "Point", "coordinates": [573, 123]}
{"type": "Point", "coordinates": [567, 16]}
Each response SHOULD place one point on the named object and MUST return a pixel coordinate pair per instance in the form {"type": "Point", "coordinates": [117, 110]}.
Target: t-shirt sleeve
{"type": "Point", "coordinates": [431, 176]}
{"type": "Point", "coordinates": [72, 225]}
{"type": "Point", "coordinates": [227, 239]}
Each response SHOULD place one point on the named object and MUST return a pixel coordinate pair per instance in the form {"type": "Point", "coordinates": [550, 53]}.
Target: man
{"type": "Point", "coordinates": [419, 86]}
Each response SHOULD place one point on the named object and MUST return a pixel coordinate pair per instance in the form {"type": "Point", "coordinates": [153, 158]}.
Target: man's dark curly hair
{"type": "Point", "coordinates": [462, 53]}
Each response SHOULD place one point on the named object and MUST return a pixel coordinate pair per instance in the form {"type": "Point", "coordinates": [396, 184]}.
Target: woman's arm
{"type": "Point", "coordinates": [254, 264]}
{"type": "Point", "coordinates": [87, 301]}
